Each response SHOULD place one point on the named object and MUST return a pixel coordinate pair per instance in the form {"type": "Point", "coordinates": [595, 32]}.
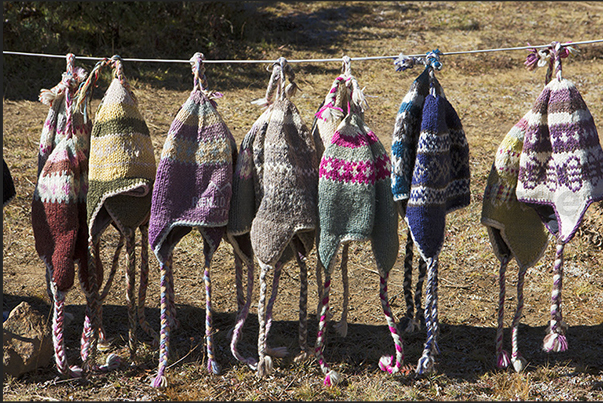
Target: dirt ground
{"type": "Point", "coordinates": [490, 92]}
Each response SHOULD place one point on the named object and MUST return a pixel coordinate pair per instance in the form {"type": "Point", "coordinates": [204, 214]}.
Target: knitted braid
{"type": "Point", "coordinates": [57, 329]}
{"type": "Point", "coordinates": [387, 363]}
{"type": "Point", "coordinates": [278, 352]}
{"type": "Point", "coordinates": [555, 340]}
{"type": "Point", "coordinates": [407, 320]}
{"type": "Point", "coordinates": [242, 316]}
{"type": "Point", "coordinates": [303, 306]}
{"type": "Point", "coordinates": [502, 360]}
{"type": "Point", "coordinates": [419, 314]}
{"type": "Point", "coordinates": [265, 362]}
{"type": "Point", "coordinates": [167, 280]}
{"type": "Point", "coordinates": [212, 364]}
{"type": "Point", "coordinates": [331, 377]}
{"type": "Point", "coordinates": [342, 326]}
{"type": "Point", "coordinates": [426, 361]}
{"type": "Point", "coordinates": [93, 305]}
{"type": "Point", "coordinates": [239, 282]}
{"type": "Point", "coordinates": [519, 363]}
{"type": "Point", "coordinates": [144, 281]}
{"type": "Point", "coordinates": [130, 282]}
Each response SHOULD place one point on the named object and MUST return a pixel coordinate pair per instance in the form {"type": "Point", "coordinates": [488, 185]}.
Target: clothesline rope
{"type": "Point", "coordinates": [8, 52]}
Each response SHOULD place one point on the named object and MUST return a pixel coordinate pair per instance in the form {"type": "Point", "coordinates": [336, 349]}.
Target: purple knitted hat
{"type": "Point", "coordinates": [193, 185]}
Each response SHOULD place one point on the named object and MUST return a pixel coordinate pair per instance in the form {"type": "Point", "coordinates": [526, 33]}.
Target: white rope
{"type": "Point", "coordinates": [340, 59]}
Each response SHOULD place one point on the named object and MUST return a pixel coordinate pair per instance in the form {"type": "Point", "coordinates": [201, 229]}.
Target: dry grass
{"type": "Point", "coordinates": [490, 93]}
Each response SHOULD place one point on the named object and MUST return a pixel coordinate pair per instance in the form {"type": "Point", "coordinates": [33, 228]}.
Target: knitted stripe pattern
{"type": "Point", "coordinates": [193, 185]}
{"type": "Point", "coordinates": [287, 164]}
{"type": "Point", "coordinates": [561, 165]}
{"type": "Point", "coordinates": [441, 177]}
{"type": "Point", "coordinates": [59, 201]}
{"type": "Point", "coordinates": [122, 163]}
{"type": "Point", "coordinates": [513, 227]}
{"type": "Point", "coordinates": [8, 185]}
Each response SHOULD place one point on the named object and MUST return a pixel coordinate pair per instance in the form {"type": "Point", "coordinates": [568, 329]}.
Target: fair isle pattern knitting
{"type": "Point", "coordinates": [515, 230]}
{"type": "Point", "coordinates": [561, 165]}
{"type": "Point", "coordinates": [122, 162]}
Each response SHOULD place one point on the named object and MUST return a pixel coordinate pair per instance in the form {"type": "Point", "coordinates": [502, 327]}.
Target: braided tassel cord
{"type": "Point", "coordinates": [419, 313]}
{"type": "Point", "coordinates": [130, 282]}
{"type": "Point", "coordinates": [167, 277]}
{"type": "Point", "coordinates": [502, 357]}
{"type": "Point", "coordinates": [519, 363]}
{"type": "Point", "coordinates": [387, 363]}
{"type": "Point", "coordinates": [239, 282]}
{"type": "Point", "coordinates": [342, 326]}
{"type": "Point", "coordinates": [303, 308]}
{"type": "Point", "coordinates": [278, 352]}
{"type": "Point", "coordinates": [331, 377]}
{"type": "Point", "coordinates": [556, 341]}
{"type": "Point", "coordinates": [406, 321]}
{"type": "Point", "coordinates": [242, 316]}
{"type": "Point", "coordinates": [212, 364]}
{"type": "Point", "coordinates": [58, 340]}
{"type": "Point", "coordinates": [93, 307]}
{"type": "Point", "coordinates": [264, 362]}
{"type": "Point", "coordinates": [426, 362]}
{"type": "Point", "coordinates": [144, 281]}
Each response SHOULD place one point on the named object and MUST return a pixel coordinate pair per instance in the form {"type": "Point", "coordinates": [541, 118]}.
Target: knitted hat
{"type": "Point", "coordinates": [122, 161]}
{"type": "Point", "coordinates": [561, 165]}
{"type": "Point", "coordinates": [192, 189]}
{"type": "Point", "coordinates": [193, 182]}
{"type": "Point", "coordinates": [560, 171]}
{"type": "Point", "coordinates": [59, 201]}
{"type": "Point", "coordinates": [515, 230]}
{"type": "Point", "coordinates": [8, 186]}
{"type": "Point", "coordinates": [440, 180]}
{"type": "Point", "coordinates": [439, 184]}
{"type": "Point", "coordinates": [355, 202]}
{"type": "Point", "coordinates": [286, 159]}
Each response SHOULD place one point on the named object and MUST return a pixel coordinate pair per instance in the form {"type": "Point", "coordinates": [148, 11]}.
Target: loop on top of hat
{"type": "Point", "coordinates": [276, 85]}
{"type": "Point", "coordinates": [346, 68]}
{"type": "Point", "coordinates": [72, 78]}
{"type": "Point", "coordinates": [551, 57]}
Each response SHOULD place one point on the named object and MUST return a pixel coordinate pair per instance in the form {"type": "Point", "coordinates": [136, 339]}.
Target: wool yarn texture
{"type": "Point", "coordinates": [58, 211]}
{"type": "Point", "coordinates": [514, 228]}
{"type": "Point", "coordinates": [8, 185]}
{"type": "Point", "coordinates": [441, 176]}
{"type": "Point", "coordinates": [286, 169]}
{"type": "Point", "coordinates": [122, 163]}
{"type": "Point", "coordinates": [193, 185]}
{"type": "Point", "coordinates": [356, 169]}
{"type": "Point", "coordinates": [405, 137]}
{"type": "Point", "coordinates": [561, 164]}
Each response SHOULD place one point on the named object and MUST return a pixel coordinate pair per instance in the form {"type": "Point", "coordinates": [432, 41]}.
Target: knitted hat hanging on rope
{"type": "Point", "coordinates": [405, 138]}
{"type": "Point", "coordinates": [439, 185]}
{"type": "Point", "coordinates": [560, 168]}
{"type": "Point", "coordinates": [515, 231]}
{"type": "Point", "coordinates": [326, 120]}
{"type": "Point", "coordinates": [285, 177]}
{"type": "Point", "coordinates": [355, 173]}
{"type": "Point", "coordinates": [8, 185]}
{"type": "Point", "coordinates": [58, 211]}
{"type": "Point", "coordinates": [192, 189]}
{"type": "Point", "coordinates": [121, 175]}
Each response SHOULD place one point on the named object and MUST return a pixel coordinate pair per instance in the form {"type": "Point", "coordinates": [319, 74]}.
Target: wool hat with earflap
{"type": "Point", "coordinates": [8, 185]}
{"type": "Point", "coordinates": [192, 189]}
{"type": "Point", "coordinates": [58, 210]}
{"type": "Point", "coordinates": [560, 171]}
{"type": "Point", "coordinates": [515, 231]}
{"type": "Point", "coordinates": [285, 178]}
{"type": "Point", "coordinates": [439, 185]}
{"type": "Point", "coordinates": [121, 174]}
{"type": "Point", "coordinates": [355, 204]}
{"type": "Point", "coordinates": [405, 137]}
